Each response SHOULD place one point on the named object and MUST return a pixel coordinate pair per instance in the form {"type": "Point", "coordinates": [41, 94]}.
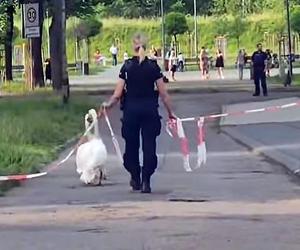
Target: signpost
{"type": "Point", "coordinates": [31, 27]}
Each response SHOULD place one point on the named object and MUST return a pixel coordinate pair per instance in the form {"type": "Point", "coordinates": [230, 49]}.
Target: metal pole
{"type": "Point", "coordinates": [163, 29]}
{"type": "Point", "coordinates": [290, 39]}
{"type": "Point", "coordinates": [48, 33]}
{"type": "Point", "coordinates": [195, 28]}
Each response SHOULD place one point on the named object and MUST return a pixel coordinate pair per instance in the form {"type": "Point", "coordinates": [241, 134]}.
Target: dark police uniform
{"type": "Point", "coordinates": [259, 64]}
{"type": "Point", "coordinates": [140, 115]}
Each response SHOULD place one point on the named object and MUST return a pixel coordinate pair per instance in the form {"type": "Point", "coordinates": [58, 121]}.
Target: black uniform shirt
{"type": "Point", "coordinates": [140, 79]}
{"type": "Point", "coordinates": [259, 59]}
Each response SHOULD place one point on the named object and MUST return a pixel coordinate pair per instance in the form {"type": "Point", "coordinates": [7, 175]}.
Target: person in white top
{"type": "Point", "coordinates": [180, 62]}
{"type": "Point", "coordinates": [114, 52]}
{"type": "Point", "coordinates": [172, 64]}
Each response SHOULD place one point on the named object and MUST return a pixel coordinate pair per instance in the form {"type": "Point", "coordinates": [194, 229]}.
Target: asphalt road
{"type": "Point", "coordinates": [238, 201]}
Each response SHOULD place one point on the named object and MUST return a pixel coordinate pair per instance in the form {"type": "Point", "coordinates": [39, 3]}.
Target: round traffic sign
{"type": "Point", "coordinates": [31, 15]}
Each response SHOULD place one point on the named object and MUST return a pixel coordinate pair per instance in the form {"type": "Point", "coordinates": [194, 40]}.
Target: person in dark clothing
{"type": "Point", "coordinates": [259, 63]}
{"type": "Point", "coordinates": [48, 70]}
{"type": "Point", "coordinates": [139, 86]}
{"type": "Point", "coordinates": [220, 64]}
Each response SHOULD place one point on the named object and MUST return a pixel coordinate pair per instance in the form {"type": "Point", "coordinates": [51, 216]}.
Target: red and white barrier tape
{"type": "Point", "coordinates": [251, 111]}
{"type": "Point", "coordinates": [201, 154]}
{"type": "Point", "coordinates": [57, 165]}
{"type": "Point", "coordinates": [178, 131]}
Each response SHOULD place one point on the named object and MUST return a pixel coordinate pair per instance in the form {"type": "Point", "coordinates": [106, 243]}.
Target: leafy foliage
{"type": "Point", "coordinates": [295, 19]}
{"type": "Point", "coordinates": [176, 24]}
{"type": "Point", "coordinates": [88, 28]}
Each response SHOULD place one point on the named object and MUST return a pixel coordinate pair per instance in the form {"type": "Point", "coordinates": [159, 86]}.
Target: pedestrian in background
{"type": "Point", "coordinates": [220, 64]}
{"type": "Point", "coordinates": [180, 62]}
{"type": "Point", "coordinates": [204, 63]}
{"type": "Point", "coordinates": [172, 64]}
{"type": "Point", "coordinates": [269, 62]}
{"type": "Point", "coordinates": [114, 52]}
{"type": "Point", "coordinates": [142, 81]}
{"type": "Point", "coordinates": [48, 71]}
{"type": "Point", "coordinates": [240, 63]}
{"type": "Point", "coordinates": [259, 63]}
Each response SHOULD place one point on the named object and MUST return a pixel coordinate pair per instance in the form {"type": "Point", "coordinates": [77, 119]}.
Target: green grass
{"type": "Point", "coordinates": [122, 30]}
{"type": "Point", "coordinates": [32, 129]}
{"type": "Point", "coordinates": [94, 70]}
{"type": "Point", "coordinates": [278, 80]}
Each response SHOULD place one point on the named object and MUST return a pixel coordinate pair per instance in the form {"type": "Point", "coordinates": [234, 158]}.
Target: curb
{"type": "Point", "coordinates": [291, 164]}
{"type": "Point", "coordinates": [184, 90]}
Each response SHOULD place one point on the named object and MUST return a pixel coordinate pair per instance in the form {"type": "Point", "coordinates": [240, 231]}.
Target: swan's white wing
{"type": "Point", "coordinates": [90, 156]}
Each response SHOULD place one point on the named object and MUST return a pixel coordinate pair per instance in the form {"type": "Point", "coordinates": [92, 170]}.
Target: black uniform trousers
{"type": "Point", "coordinates": [260, 79]}
{"type": "Point", "coordinates": [137, 121]}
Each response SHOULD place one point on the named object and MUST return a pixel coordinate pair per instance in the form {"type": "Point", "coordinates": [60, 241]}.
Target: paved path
{"type": "Point", "coordinates": [240, 200]}
{"type": "Point", "coordinates": [275, 134]}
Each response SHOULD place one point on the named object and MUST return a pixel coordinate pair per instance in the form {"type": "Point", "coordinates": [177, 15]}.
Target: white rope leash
{"type": "Point", "coordinates": [50, 169]}
{"type": "Point", "coordinates": [113, 137]}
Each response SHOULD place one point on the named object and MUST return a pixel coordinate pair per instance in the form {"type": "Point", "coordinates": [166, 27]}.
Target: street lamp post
{"type": "Point", "coordinates": [163, 29]}
{"type": "Point", "coordinates": [195, 27]}
{"type": "Point", "coordinates": [290, 71]}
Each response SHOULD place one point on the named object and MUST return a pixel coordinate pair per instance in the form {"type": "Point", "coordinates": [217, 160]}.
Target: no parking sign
{"type": "Point", "coordinates": [31, 20]}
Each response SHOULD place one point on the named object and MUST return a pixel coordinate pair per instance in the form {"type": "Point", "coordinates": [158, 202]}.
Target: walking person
{"type": "Point", "coordinates": [48, 71]}
{"type": "Point", "coordinates": [220, 64]}
{"type": "Point", "coordinates": [259, 63]}
{"type": "Point", "coordinates": [139, 86]}
{"type": "Point", "coordinates": [180, 62]}
{"type": "Point", "coordinates": [172, 64]}
{"type": "Point", "coordinates": [204, 63]}
{"type": "Point", "coordinates": [269, 62]}
{"type": "Point", "coordinates": [240, 63]}
{"type": "Point", "coordinates": [114, 52]}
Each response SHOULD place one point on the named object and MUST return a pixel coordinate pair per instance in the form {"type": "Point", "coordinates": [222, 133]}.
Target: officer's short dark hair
{"type": "Point", "coordinates": [259, 44]}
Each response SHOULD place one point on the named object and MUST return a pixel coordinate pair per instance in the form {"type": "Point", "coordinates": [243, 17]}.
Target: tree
{"type": "Point", "coordinates": [58, 54]}
{"type": "Point", "coordinates": [179, 6]}
{"type": "Point", "coordinates": [239, 26]}
{"type": "Point", "coordinates": [83, 9]}
{"type": "Point", "coordinates": [221, 26]}
{"type": "Point", "coordinates": [87, 29]}
{"type": "Point", "coordinates": [7, 7]}
{"type": "Point", "coordinates": [295, 19]}
{"type": "Point", "coordinates": [176, 24]}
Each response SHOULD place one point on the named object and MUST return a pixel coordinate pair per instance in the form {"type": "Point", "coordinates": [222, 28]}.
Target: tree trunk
{"type": "Point", "coordinates": [176, 49]}
{"type": "Point", "coordinates": [8, 43]}
{"type": "Point", "coordinates": [58, 49]}
{"type": "Point", "coordinates": [38, 71]}
{"type": "Point", "coordinates": [55, 46]}
{"type": "Point", "coordinates": [65, 77]}
{"type": "Point", "coordinates": [238, 42]}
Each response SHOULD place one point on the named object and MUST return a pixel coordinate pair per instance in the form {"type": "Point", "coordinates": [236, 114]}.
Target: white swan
{"type": "Point", "coordinates": [91, 155]}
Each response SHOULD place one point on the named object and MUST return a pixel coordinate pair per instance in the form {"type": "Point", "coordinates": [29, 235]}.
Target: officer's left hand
{"type": "Point", "coordinates": [105, 105]}
{"type": "Point", "coordinates": [172, 116]}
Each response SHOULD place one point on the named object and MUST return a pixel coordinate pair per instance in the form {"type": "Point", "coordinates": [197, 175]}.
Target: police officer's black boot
{"type": "Point", "coordinates": [135, 183]}
{"type": "Point", "coordinates": [146, 187]}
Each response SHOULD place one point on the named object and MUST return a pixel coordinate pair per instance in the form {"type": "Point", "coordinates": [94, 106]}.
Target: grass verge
{"type": "Point", "coordinates": [32, 129]}
{"type": "Point", "coordinates": [278, 80]}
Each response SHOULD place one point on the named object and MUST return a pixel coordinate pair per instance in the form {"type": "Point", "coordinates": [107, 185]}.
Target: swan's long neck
{"type": "Point", "coordinates": [96, 129]}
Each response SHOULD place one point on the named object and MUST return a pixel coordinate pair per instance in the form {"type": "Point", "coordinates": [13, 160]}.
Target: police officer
{"type": "Point", "coordinates": [259, 63]}
{"type": "Point", "coordinates": [139, 86]}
